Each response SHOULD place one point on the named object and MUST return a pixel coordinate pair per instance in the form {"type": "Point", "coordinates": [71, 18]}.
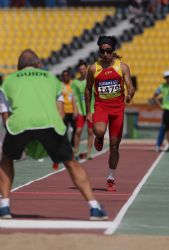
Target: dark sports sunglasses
{"type": "Point", "coordinates": [103, 51]}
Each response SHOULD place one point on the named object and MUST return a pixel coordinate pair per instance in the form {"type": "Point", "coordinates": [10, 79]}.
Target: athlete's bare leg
{"type": "Point", "coordinates": [90, 141]}
{"type": "Point", "coordinates": [80, 179]}
{"type": "Point", "coordinates": [167, 137]}
{"type": "Point", "coordinates": [77, 140]}
{"type": "Point", "coordinates": [6, 176]}
{"type": "Point", "coordinates": [100, 129]}
{"type": "Point", "coordinates": [114, 152]}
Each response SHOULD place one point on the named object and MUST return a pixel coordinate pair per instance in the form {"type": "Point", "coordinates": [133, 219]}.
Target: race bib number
{"type": "Point", "coordinates": [109, 89]}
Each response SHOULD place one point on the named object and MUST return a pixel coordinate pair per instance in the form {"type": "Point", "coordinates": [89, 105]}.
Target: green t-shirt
{"type": "Point", "coordinates": [78, 87]}
{"type": "Point", "coordinates": [32, 97]}
{"type": "Point", "coordinates": [164, 90]}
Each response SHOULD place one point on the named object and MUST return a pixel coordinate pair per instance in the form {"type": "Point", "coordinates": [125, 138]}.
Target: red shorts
{"type": "Point", "coordinates": [80, 122]}
{"type": "Point", "coordinates": [113, 116]}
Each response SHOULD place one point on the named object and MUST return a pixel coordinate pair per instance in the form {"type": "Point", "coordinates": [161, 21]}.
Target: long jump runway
{"type": "Point", "coordinates": [53, 204]}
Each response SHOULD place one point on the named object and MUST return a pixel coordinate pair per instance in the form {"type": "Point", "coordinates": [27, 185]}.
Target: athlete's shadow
{"type": "Point", "coordinates": [28, 216]}
{"type": "Point", "coordinates": [35, 216]}
{"type": "Point", "coordinates": [99, 189]}
{"type": "Point", "coordinates": [94, 189]}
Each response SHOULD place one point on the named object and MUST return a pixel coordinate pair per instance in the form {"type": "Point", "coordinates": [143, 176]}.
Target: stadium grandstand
{"type": "Point", "coordinates": [65, 32]}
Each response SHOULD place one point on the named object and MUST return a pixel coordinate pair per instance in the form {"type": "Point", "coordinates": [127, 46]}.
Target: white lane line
{"type": "Point", "coordinates": [53, 224]}
{"type": "Point", "coordinates": [41, 178]}
{"type": "Point", "coordinates": [57, 171]}
{"type": "Point", "coordinates": [116, 222]}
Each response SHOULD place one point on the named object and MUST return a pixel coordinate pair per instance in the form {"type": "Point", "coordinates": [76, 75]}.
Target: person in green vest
{"type": "Point", "coordinates": [78, 86]}
{"type": "Point", "coordinates": [31, 93]}
{"type": "Point", "coordinates": [163, 102]}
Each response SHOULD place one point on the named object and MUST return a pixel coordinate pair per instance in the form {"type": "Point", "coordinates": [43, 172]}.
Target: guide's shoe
{"type": "Point", "coordinates": [5, 213]}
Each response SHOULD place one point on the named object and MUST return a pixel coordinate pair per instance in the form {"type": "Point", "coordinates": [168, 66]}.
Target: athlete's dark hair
{"type": "Point", "coordinates": [28, 58]}
{"type": "Point", "coordinates": [81, 63]}
{"type": "Point", "coordinates": [65, 71]}
{"type": "Point", "coordinates": [110, 40]}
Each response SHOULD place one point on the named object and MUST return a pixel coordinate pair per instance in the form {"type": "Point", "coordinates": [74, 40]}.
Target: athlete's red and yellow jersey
{"type": "Point", "coordinates": [109, 84]}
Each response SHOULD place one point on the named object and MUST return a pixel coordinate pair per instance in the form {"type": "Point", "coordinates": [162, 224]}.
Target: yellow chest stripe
{"type": "Point", "coordinates": [115, 66]}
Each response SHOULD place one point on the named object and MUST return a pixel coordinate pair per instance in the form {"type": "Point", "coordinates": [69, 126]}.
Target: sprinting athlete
{"type": "Point", "coordinates": [31, 93]}
{"type": "Point", "coordinates": [108, 76]}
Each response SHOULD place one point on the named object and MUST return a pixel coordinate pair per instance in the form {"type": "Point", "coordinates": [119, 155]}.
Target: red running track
{"type": "Point", "coordinates": [56, 198]}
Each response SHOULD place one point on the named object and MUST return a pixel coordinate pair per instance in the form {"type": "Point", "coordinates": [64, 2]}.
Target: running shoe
{"type": "Point", "coordinates": [82, 155]}
{"type": "Point", "coordinates": [111, 185]}
{"type": "Point", "coordinates": [89, 156]}
{"type": "Point", "coordinates": [98, 214]}
{"type": "Point", "coordinates": [5, 213]}
{"type": "Point", "coordinates": [157, 149]}
{"type": "Point", "coordinates": [98, 143]}
{"type": "Point", "coordinates": [76, 157]}
{"type": "Point", "coordinates": [167, 149]}
{"type": "Point", "coordinates": [55, 166]}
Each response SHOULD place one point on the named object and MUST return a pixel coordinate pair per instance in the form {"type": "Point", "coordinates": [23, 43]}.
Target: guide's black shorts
{"type": "Point", "coordinates": [166, 119]}
{"type": "Point", "coordinates": [57, 146]}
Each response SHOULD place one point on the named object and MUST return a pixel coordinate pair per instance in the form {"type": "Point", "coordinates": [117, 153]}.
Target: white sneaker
{"type": "Point", "coordinates": [157, 149]}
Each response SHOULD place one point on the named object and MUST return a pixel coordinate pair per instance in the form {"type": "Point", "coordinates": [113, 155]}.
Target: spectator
{"type": "Point", "coordinates": [37, 3]}
{"type": "Point", "coordinates": [18, 3]}
{"type": "Point", "coordinates": [51, 3]}
{"type": "Point", "coordinates": [4, 3]}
